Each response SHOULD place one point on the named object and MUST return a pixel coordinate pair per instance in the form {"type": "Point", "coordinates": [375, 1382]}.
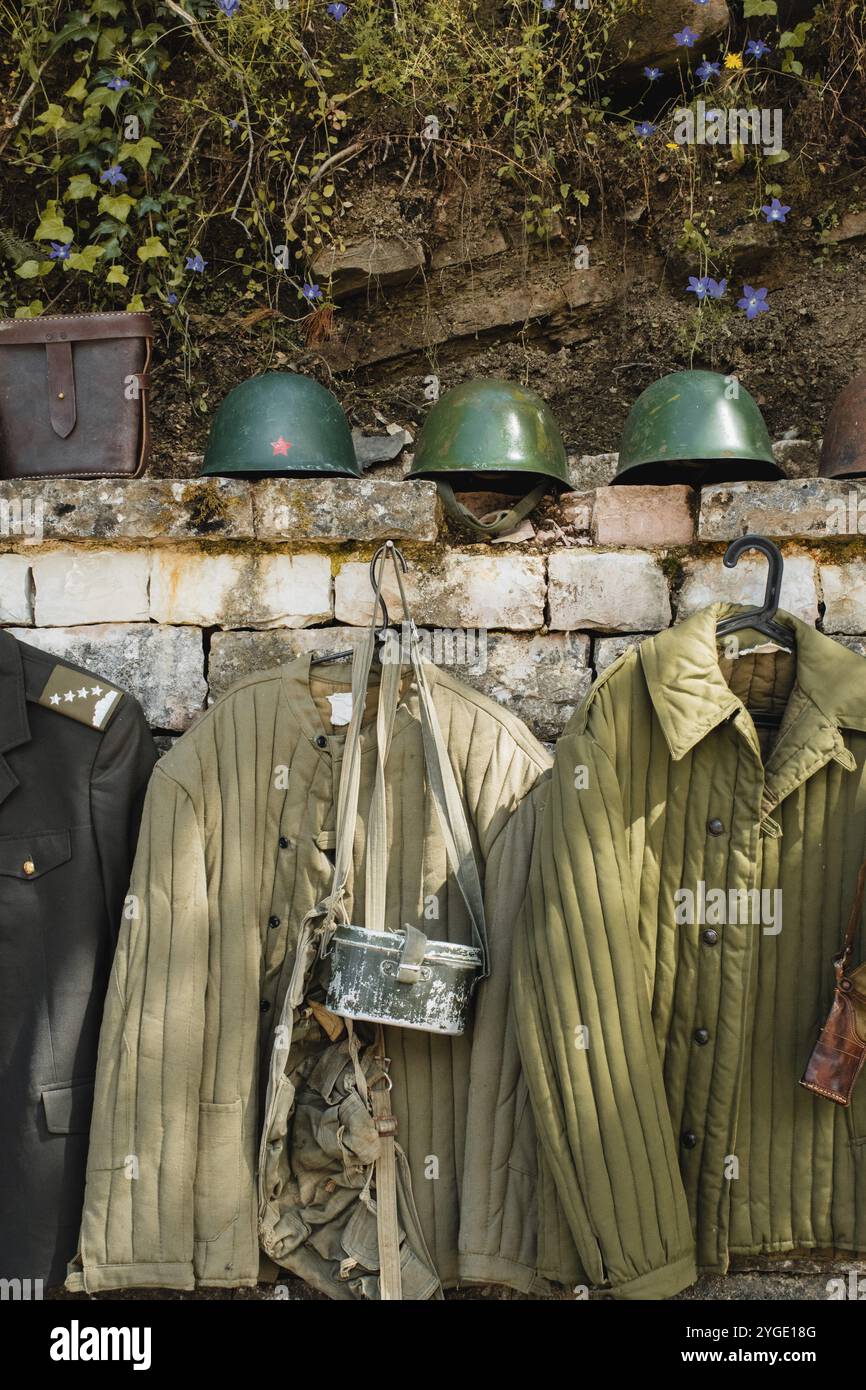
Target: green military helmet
{"type": "Point", "coordinates": [281, 422]}
{"type": "Point", "coordinates": [695, 427]}
{"type": "Point", "coordinates": [491, 434]}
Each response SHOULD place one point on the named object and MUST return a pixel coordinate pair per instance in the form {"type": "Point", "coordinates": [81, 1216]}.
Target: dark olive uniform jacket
{"type": "Point", "coordinates": [73, 772]}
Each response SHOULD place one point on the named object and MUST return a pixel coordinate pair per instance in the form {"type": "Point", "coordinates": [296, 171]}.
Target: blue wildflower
{"type": "Point", "coordinates": [229, 7]}
{"type": "Point", "coordinates": [196, 263]}
{"type": "Point", "coordinates": [60, 250]}
{"type": "Point", "coordinates": [339, 12]}
{"type": "Point", "coordinates": [113, 175]}
{"type": "Point", "coordinates": [756, 48]}
{"type": "Point", "coordinates": [707, 70]}
{"type": "Point", "coordinates": [645, 128]}
{"type": "Point", "coordinates": [652, 73]}
{"type": "Point", "coordinates": [716, 288]}
{"type": "Point", "coordinates": [548, 4]}
{"type": "Point", "coordinates": [171, 297]}
{"type": "Point", "coordinates": [776, 211]}
{"type": "Point", "coordinates": [754, 302]}
{"type": "Point", "coordinates": [311, 293]}
{"type": "Point", "coordinates": [699, 286]}
{"type": "Point", "coordinates": [686, 38]}
{"type": "Point", "coordinates": [117, 84]}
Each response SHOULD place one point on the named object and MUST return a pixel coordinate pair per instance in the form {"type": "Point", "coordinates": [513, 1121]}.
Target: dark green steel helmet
{"type": "Point", "coordinates": [491, 434]}
{"type": "Point", "coordinates": [695, 427]}
{"type": "Point", "coordinates": [281, 423]}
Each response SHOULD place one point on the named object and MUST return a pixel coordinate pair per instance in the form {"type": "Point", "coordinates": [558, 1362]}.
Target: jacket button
{"type": "Point", "coordinates": [273, 923]}
{"type": "Point", "coordinates": [715, 826]}
{"type": "Point", "coordinates": [702, 1036]}
{"type": "Point", "coordinates": [29, 867]}
{"type": "Point", "coordinates": [284, 844]}
{"type": "Point", "coordinates": [321, 741]}
{"type": "Point", "coordinates": [710, 936]}
{"type": "Point", "coordinates": [689, 1139]}
{"type": "Point", "coordinates": [264, 1006]}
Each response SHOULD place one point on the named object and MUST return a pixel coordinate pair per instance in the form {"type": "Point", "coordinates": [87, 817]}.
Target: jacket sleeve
{"type": "Point", "coordinates": [137, 1224]}
{"type": "Point", "coordinates": [118, 784]}
{"type": "Point", "coordinates": [582, 1006]}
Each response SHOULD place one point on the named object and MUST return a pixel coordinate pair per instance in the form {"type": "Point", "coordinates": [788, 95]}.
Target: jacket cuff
{"type": "Point", "coordinates": [660, 1283]}
{"type": "Point", "coordinates": [94, 1278]}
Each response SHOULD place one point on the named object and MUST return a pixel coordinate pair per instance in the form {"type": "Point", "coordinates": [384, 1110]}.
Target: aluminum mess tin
{"type": "Point", "coordinates": [363, 984]}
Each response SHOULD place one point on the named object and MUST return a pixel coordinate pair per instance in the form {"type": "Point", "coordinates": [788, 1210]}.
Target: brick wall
{"type": "Point", "coordinates": [175, 589]}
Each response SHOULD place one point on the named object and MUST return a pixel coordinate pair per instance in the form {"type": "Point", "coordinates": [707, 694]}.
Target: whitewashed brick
{"type": "Point", "coordinates": [607, 591]}
{"type": "Point", "coordinates": [335, 509]}
{"type": "Point", "coordinates": [607, 650]}
{"type": "Point", "coordinates": [814, 508]}
{"type": "Point", "coordinates": [498, 591]}
{"type": "Point", "coordinates": [708, 581]}
{"type": "Point", "coordinates": [16, 590]}
{"type": "Point", "coordinates": [240, 590]}
{"type": "Point", "coordinates": [89, 586]}
{"type": "Point", "coordinates": [844, 588]}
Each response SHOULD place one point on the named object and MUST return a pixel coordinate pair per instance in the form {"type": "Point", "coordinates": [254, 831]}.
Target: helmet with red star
{"type": "Point", "coordinates": [281, 422]}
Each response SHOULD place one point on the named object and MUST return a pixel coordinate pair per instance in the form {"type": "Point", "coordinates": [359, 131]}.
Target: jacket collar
{"type": "Point", "coordinates": [296, 688]}
{"type": "Point", "coordinates": [691, 697]}
{"type": "Point", "coordinates": [14, 724]}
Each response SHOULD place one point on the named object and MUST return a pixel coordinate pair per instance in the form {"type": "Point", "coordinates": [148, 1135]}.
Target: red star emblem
{"type": "Point", "coordinates": [280, 446]}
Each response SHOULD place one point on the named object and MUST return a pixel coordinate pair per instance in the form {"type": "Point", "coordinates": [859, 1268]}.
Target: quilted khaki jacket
{"type": "Point", "coordinates": [690, 885]}
{"type": "Point", "coordinates": [236, 846]}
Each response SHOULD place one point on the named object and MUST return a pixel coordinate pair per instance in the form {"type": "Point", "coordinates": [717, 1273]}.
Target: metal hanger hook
{"type": "Point", "coordinates": [386, 550]}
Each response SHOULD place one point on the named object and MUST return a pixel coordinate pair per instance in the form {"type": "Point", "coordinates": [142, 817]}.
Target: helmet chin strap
{"type": "Point", "coordinates": [502, 523]}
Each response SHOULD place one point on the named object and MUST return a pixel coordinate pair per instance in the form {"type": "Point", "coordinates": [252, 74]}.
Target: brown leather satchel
{"type": "Point", "coordinates": [73, 395]}
{"type": "Point", "coordinates": [837, 1057]}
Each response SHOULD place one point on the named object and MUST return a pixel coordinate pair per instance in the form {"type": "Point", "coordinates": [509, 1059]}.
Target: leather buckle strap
{"type": "Point", "coordinates": [61, 388]}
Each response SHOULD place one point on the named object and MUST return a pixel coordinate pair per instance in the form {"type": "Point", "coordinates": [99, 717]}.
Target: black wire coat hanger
{"type": "Point", "coordinates": [386, 550]}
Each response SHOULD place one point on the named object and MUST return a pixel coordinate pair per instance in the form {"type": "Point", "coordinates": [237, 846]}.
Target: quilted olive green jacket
{"type": "Point", "coordinates": [235, 848]}
{"type": "Point", "coordinates": [690, 885]}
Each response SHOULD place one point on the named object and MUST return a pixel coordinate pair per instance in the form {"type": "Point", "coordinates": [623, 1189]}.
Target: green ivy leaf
{"type": "Point", "coordinates": [78, 90]}
{"type": "Point", "coordinates": [116, 205]}
{"type": "Point", "coordinates": [51, 226]}
{"type": "Point", "coordinates": [31, 310]}
{"type": "Point", "coordinates": [52, 118]}
{"type": "Point", "coordinates": [117, 276]}
{"type": "Point", "coordinates": [139, 150]}
{"type": "Point", "coordinates": [110, 7]}
{"type": "Point", "coordinates": [81, 186]}
{"type": "Point", "coordinates": [103, 96]}
{"type": "Point", "coordinates": [151, 249]}
{"type": "Point", "coordinates": [28, 270]}
{"type": "Point", "coordinates": [795, 38]}
{"type": "Point", "coordinates": [135, 305]}
{"type": "Point", "coordinates": [778, 158]}
{"type": "Point", "coordinates": [108, 41]}
{"type": "Point", "coordinates": [84, 260]}
{"type": "Point", "coordinates": [147, 204]}
{"type": "Point", "coordinates": [752, 9]}
{"type": "Point", "coordinates": [583, 198]}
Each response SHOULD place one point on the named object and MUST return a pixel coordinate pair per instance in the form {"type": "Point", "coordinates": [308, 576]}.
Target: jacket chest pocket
{"type": "Point", "coordinates": [29, 858]}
